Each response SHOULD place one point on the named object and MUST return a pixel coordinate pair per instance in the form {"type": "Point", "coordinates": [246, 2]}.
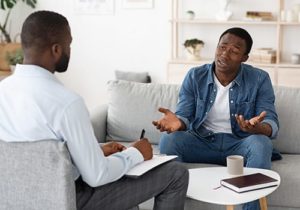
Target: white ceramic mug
{"type": "Point", "coordinates": [235, 164]}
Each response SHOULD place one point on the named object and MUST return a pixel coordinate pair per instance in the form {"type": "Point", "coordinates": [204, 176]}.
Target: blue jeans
{"type": "Point", "coordinates": [191, 148]}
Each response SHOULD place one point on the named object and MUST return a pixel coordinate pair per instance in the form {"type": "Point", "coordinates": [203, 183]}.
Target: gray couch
{"type": "Point", "coordinates": [133, 106]}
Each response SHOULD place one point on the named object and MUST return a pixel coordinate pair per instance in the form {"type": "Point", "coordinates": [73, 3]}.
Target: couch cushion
{"type": "Point", "coordinates": [133, 106]}
{"type": "Point", "coordinates": [142, 77]}
{"type": "Point", "coordinates": [287, 105]}
{"type": "Point", "coordinates": [288, 190]}
{"type": "Point", "coordinates": [36, 175]}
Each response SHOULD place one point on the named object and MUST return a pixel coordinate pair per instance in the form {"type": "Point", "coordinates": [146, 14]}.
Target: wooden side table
{"type": "Point", "coordinates": [204, 186]}
{"type": "Point", "coordinates": [4, 74]}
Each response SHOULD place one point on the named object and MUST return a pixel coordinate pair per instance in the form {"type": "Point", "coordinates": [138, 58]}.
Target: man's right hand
{"type": "Point", "coordinates": [169, 122]}
{"type": "Point", "coordinates": [144, 147]}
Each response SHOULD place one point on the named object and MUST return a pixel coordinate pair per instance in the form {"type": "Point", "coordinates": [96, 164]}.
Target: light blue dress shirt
{"type": "Point", "coordinates": [34, 105]}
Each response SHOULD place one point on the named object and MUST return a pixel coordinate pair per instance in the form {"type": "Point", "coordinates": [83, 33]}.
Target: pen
{"type": "Point", "coordinates": [142, 134]}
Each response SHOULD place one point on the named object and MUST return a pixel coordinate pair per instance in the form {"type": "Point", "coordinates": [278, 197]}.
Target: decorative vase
{"type": "Point", "coordinates": [193, 53]}
{"type": "Point", "coordinates": [190, 15]}
{"type": "Point", "coordinates": [224, 14]}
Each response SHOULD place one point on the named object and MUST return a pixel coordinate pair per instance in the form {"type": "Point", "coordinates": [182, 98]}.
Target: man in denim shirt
{"type": "Point", "coordinates": [224, 108]}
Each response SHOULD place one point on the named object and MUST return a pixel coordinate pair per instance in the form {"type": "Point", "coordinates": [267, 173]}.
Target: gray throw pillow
{"type": "Point", "coordinates": [142, 77]}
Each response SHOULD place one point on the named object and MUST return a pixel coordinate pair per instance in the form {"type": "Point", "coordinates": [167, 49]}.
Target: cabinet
{"type": "Point", "coordinates": [277, 34]}
{"type": "Point", "coordinates": [4, 74]}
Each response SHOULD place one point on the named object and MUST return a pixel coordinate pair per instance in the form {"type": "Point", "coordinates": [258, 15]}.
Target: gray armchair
{"type": "Point", "coordinates": [36, 175]}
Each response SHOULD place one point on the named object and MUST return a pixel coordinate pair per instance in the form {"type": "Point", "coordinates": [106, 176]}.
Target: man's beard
{"type": "Point", "coordinates": [62, 64]}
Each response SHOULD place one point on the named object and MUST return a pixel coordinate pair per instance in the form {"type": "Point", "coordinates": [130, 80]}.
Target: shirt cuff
{"type": "Point", "coordinates": [134, 154]}
{"type": "Point", "coordinates": [184, 120]}
{"type": "Point", "coordinates": [274, 127]}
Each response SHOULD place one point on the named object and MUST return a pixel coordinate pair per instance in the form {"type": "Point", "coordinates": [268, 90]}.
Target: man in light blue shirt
{"type": "Point", "coordinates": [225, 108]}
{"type": "Point", "coordinates": [34, 105]}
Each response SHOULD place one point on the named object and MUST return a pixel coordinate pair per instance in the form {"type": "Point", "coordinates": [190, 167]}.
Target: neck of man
{"type": "Point", "coordinates": [225, 78]}
{"type": "Point", "coordinates": [41, 60]}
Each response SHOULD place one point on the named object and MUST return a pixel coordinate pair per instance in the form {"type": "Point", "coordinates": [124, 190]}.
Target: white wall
{"type": "Point", "coordinates": [130, 40]}
{"type": "Point", "coordinates": [136, 40]}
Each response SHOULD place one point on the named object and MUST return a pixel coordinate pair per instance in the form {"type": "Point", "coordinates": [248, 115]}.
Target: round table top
{"type": "Point", "coordinates": [203, 181]}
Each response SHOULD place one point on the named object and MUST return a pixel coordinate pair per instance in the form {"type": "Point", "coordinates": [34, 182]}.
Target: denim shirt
{"type": "Point", "coordinates": [251, 93]}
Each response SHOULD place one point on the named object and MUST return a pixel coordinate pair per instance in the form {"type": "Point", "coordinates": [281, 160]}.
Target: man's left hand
{"type": "Point", "coordinates": [253, 125]}
{"type": "Point", "coordinates": [111, 148]}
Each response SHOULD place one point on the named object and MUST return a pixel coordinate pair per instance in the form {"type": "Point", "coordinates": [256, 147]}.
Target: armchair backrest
{"type": "Point", "coordinates": [36, 175]}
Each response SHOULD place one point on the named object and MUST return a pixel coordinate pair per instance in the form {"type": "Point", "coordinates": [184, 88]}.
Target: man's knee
{"type": "Point", "coordinates": [259, 144]}
{"type": "Point", "coordinates": [259, 151]}
{"type": "Point", "coordinates": [168, 144]}
{"type": "Point", "coordinates": [178, 172]}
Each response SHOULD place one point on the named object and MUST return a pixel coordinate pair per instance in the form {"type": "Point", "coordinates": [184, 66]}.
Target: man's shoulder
{"type": "Point", "coordinates": [200, 70]}
{"type": "Point", "coordinates": [253, 70]}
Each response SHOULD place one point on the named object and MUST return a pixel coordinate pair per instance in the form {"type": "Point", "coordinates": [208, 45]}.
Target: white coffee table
{"type": "Point", "coordinates": [203, 181]}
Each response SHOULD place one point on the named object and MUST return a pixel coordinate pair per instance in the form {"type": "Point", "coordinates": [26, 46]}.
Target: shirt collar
{"type": "Point", "coordinates": [25, 70]}
{"type": "Point", "coordinates": [237, 80]}
{"type": "Point", "coordinates": [210, 79]}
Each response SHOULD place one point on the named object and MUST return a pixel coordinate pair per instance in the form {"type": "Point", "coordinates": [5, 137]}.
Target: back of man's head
{"type": "Point", "coordinates": [41, 29]}
{"type": "Point", "coordinates": [242, 33]}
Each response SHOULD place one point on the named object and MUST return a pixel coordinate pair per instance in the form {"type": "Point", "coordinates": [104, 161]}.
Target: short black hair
{"type": "Point", "coordinates": [41, 29]}
{"type": "Point", "coordinates": [242, 33]}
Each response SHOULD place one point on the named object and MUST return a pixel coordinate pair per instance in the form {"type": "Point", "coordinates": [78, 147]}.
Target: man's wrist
{"type": "Point", "coordinates": [265, 129]}
{"type": "Point", "coordinates": [182, 125]}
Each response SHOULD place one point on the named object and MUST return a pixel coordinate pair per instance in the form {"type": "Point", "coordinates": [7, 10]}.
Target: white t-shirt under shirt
{"type": "Point", "coordinates": [34, 105]}
{"type": "Point", "coordinates": [218, 118]}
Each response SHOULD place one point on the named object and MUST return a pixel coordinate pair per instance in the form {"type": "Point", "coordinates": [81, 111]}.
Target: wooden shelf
{"type": "Point", "coordinates": [282, 72]}
{"type": "Point", "coordinates": [208, 60]}
{"type": "Point", "coordinates": [231, 22]}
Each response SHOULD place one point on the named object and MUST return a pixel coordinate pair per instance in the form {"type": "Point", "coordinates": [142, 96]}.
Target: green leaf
{"type": "Point", "coordinates": [30, 3]}
{"type": "Point", "coordinates": [8, 4]}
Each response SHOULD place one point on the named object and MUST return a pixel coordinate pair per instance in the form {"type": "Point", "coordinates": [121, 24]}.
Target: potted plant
{"type": "Point", "coordinates": [6, 44]}
{"type": "Point", "coordinates": [190, 14]}
{"type": "Point", "coordinates": [193, 48]}
{"type": "Point", "coordinates": [15, 57]}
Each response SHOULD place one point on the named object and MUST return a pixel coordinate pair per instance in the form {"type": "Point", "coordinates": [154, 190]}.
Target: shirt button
{"type": "Point", "coordinates": [232, 115]}
{"type": "Point", "coordinates": [205, 112]}
{"type": "Point", "coordinates": [231, 89]}
{"type": "Point", "coordinates": [211, 101]}
{"type": "Point", "coordinates": [231, 101]}
{"type": "Point", "coordinates": [215, 90]}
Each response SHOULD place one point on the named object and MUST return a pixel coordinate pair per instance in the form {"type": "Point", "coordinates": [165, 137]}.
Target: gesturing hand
{"type": "Point", "coordinates": [169, 122]}
{"type": "Point", "coordinates": [251, 125]}
{"type": "Point", "coordinates": [111, 148]}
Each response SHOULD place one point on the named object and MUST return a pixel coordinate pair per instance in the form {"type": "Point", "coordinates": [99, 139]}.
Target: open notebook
{"type": "Point", "coordinates": [147, 165]}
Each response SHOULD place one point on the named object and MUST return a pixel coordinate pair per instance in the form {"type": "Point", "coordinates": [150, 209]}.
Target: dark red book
{"type": "Point", "coordinates": [249, 182]}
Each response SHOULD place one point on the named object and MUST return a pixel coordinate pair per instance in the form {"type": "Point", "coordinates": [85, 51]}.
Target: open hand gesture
{"type": "Point", "coordinates": [169, 122]}
{"type": "Point", "coordinates": [252, 125]}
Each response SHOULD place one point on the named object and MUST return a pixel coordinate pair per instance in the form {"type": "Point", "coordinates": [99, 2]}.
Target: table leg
{"type": "Point", "coordinates": [263, 203]}
{"type": "Point", "coordinates": [229, 207]}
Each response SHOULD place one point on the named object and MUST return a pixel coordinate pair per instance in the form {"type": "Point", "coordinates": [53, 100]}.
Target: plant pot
{"type": "Point", "coordinates": [190, 16]}
{"type": "Point", "coordinates": [12, 68]}
{"type": "Point", "coordinates": [6, 48]}
{"type": "Point", "coordinates": [193, 53]}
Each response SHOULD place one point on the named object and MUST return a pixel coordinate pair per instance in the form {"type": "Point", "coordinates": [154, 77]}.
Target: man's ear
{"type": "Point", "coordinates": [56, 51]}
{"type": "Point", "coordinates": [245, 58]}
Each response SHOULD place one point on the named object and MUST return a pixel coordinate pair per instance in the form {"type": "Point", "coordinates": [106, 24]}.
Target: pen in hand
{"type": "Point", "coordinates": [142, 134]}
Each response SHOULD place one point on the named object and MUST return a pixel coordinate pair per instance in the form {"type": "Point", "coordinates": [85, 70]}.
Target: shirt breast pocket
{"type": "Point", "coordinates": [247, 109]}
{"type": "Point", "coordinates": [200, 107]}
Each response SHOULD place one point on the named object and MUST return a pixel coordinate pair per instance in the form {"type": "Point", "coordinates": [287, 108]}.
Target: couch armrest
{"type": "Point", "coordinates": [98, 119]}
